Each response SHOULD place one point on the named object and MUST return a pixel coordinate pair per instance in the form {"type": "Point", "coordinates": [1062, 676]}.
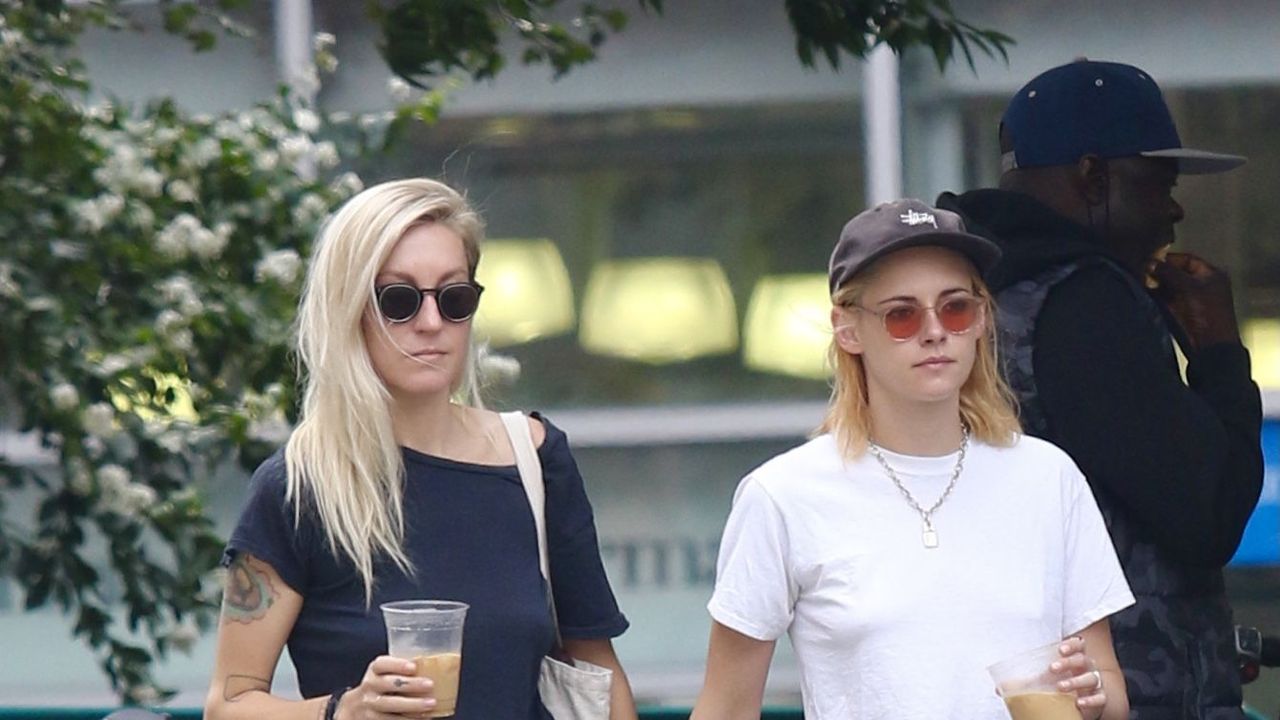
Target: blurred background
{"type": "Point", "coordinates": [702, 174]}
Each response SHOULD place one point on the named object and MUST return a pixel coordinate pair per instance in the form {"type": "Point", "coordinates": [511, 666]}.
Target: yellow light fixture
{"type": "Point", "coordinates": [788, 326]}
{"type": "Point", "coordinates": [1262, 337]}
{"type": "Point", "coordinates": [527, 294]}
{"type": "Point", "coordinates": [659, 310]}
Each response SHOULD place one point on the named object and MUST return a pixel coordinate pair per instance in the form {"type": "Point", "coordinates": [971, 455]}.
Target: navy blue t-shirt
{"type": "Point", "coordinates": [469, 532]}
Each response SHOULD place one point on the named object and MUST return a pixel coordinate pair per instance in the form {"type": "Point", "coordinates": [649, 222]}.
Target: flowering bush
{"type": "Point", "coordinates": [149, 272]}
{"type": "Point", "coordinates": [150, 265]}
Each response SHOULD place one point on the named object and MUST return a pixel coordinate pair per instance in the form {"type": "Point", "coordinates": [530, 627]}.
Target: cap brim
{"type": "Point", "coordinates": [981, 252]}
{"type": "Point", "coordinates": [1199, 162]}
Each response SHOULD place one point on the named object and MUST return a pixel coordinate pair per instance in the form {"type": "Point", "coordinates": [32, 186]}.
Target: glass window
{"type": "Point", "coordinates": [748, 192]}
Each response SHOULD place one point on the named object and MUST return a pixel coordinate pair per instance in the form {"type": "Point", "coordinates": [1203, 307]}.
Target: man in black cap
{"type": "Point", "coordinates": [1090, 307]}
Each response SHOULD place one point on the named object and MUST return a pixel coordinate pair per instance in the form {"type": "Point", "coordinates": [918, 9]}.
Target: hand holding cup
{"type": "Point", "coordinates": [390, 686]}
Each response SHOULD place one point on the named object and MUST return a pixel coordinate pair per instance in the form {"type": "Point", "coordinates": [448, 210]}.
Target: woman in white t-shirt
{"type": "Point", "coordinates": [920, 537]}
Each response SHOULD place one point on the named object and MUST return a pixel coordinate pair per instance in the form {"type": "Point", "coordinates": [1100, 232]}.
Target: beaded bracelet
{"type": "Point", "coordinates": [331, 708]}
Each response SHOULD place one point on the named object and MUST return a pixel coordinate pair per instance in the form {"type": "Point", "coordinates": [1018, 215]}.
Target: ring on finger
{"type": "Point", "coordinates": [1097, 679]}
{"type": "Point", "coordinates": [400, 682]}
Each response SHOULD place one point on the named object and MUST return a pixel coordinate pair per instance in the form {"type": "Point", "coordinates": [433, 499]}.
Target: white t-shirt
{"type": "Point", "coordinates": [884, 627]}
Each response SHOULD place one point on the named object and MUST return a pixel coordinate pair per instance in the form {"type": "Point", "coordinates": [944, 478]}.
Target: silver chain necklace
{"type": "Point", "coordinates": [928, 534]}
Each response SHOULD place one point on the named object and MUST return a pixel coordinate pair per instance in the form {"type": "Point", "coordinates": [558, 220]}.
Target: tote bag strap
{"type": "Point", "coordinates": [530, 468]}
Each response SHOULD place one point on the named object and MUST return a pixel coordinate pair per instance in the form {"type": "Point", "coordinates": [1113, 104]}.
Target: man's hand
{"type": "Point", "coordinates": [1199, 296]}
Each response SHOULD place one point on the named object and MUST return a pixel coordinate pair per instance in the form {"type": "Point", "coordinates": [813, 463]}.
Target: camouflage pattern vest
{"type": "Point", "coordinates": [1176, 645]}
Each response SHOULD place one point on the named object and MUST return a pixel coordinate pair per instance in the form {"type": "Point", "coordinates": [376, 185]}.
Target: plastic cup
{"type": "Point", "coordinates": [1030, 688]}
{"type": "Point", "coordinates": [429, 632]}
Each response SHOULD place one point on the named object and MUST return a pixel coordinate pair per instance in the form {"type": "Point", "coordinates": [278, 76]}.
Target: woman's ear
{"type": "Point", "coordinates": [984, 317]}
{"type": "Point", "coordinates": [844, 327]}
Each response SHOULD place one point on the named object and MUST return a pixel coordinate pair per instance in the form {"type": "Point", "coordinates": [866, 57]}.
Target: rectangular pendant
{"type": "Point", "coordinates": [930, 537]}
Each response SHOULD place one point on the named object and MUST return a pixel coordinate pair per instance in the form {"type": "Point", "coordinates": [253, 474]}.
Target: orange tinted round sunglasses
{"type": "Point", "coordinates": [957, 316]}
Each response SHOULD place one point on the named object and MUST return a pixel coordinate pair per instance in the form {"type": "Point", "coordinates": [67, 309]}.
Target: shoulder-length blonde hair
{"type": "Point", "coordinates": [987, 405]}
{"type": "Point", "coordinates": [342, 458]}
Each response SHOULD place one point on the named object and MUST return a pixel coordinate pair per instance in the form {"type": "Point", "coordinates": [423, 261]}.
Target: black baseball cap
{"type": "Point", "coordinates": [898, 225]}
{"type": "Point", "coordinates": [1102, 108]}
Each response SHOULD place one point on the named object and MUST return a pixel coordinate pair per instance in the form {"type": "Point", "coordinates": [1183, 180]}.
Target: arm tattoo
{"type": "Point", "coordinates": [249, 592]}
{"type": "Point", "coordinates": [237, 685]}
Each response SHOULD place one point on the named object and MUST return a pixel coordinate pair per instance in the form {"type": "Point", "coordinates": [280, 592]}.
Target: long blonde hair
{"type": "Point", "coordinates": [987, 405]}
{"type": "Point", "coordinates": [342, 458]}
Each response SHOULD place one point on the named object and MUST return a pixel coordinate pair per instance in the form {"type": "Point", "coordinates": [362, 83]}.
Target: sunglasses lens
{"type": "Point", "coordinates": [903, 322]}
{"type": "Point", "coordinates": [399, 303]}
{"type": "Point", "coordinates": [459, 301]}
{"type": "Point", "coordinates": [958, 314]}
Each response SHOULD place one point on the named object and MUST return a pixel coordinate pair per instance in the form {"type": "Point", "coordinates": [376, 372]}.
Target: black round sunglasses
{"type": "Point", "coordinates": [457, 302]}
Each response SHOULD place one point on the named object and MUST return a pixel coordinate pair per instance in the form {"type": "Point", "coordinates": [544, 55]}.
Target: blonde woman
{"type": "Point", "coordinates": [390, 488]}
{"type": "Point", "coordinates": [919, 537]}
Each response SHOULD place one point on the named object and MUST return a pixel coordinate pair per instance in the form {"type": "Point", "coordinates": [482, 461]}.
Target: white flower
{"type": "Point", "coordinates": [167, 136]}
{"type": "Point", "coordinates": [267, 160]}
{"type": "Point", "coordinates": [206, 151]}
{"type": "Point", "coordinates": [322, 41]}
{"type": "Point", "coordinates": [104, 112]}
{"type": "Point", "coordinates": [399, 90]}
{"type": "Point", "coordinates": [172, 441]}
{"type": "Point", "coordinates": [306, 120]}
{"type": "Point", "coordinates": [185, 234]}
{"type": "Point", "coordinates": [110, 204]}
{"type": "Point", "coordinates": [183, 638]}
{"type": "Point", "coordinates": [295, 147]}
{"type": "Point", "coordinates": [142, 216]}
{"type": "Point", "coordinates": [310, 209]}
{"type": "Point", "coordinates": [64, 396]}
{"type": "Point", "coordinates": [113, 479]}
{"type": "Point", "coordinates": [340, 117]}
{"type": "Point", "coordinates": [139, 127]}
{"type": "Point", "coordinates": [8, 286]}
{"type": "Point", "coordinates": [179, 291]}
{"type": "Point", "coordinates": [78, 478]}
{"type": "Point", "coordinates": [327, 154]}
{"type": "Point", "coordinates": [138, 497]}
{"type": "Point", "coordinates": [99, 420]}
{"type": "Point", "coordinates": [113, 364]}
{"type": "Point", "coordinates": [93, 215]}
{"type": "Point", "coordinates": [169, 321]}
{"type": "Point", "coordinates": [182, 191]}
{"type": "Point", "coordinates": [149, 182]}
{"type": "Point", "coordinates": [282, 266]}
{"type": "Point", "coordinates": [42, 303]}
{"type": "Point", "coordinates": [326, 61]}
{"type": "Point", "coordinates": [171, 242]}
{"type": "Point", "coordinates": [228, 129]}
{"type": "Point", "coordinates": [88, 216]}
{"type": "Point", "coordinates": [68, 250]}
{"type": "Point", "coordinates": [124, 169]}
{"type": "Point", "coordinates": [182, 341]}
{"type": "Point", "coordinates": [347, 184]}
{"type": "Point", "coordinates": [176, 288]}
{"type": "Point", "coordinates": [206, 243]}
{"type": "Point", "coordinates": [307, 83]}
{"type": "Point", "coordinates": [10, 38]}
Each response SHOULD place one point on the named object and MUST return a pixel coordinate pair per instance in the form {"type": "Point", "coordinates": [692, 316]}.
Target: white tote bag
{"type": "Point", "coordinates": [574, 690]}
